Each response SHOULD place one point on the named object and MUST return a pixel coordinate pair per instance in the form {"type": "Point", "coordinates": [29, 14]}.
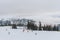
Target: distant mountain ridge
{"type": "Point", "coordinates": [22, 21]}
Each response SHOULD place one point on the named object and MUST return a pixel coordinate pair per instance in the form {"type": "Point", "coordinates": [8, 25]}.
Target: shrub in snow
{"type": "Point", "coordinates": [14, 26]}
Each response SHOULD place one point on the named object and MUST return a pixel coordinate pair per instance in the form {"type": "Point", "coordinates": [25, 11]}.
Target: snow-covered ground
{"type": "Point", "coordinates": [6, 33]}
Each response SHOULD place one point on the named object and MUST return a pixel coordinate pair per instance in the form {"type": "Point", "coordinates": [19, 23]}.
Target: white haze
{"type": "Point", "coordinates": [47, 11]}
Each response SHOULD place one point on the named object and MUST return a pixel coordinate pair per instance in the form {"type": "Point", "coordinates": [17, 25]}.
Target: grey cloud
{"type": "Point", "coordinates": [29, 7]}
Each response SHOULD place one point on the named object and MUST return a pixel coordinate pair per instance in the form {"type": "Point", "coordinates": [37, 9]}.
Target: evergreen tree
{"type": "Point", "coordinates": [44, 27]}
{"type": "Point", "coordinates": [49, 28]}
{"type": "Point", "coordinates": [31, 26]}
{"type": "Point", "coordinates": [55, 28]}
{"type": "Point", "coordinates": [28, 25]}
{"type": "Point", "coordinates": [39, 25]}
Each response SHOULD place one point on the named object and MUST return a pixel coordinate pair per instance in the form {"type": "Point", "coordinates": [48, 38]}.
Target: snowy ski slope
{"type": "Point", "coordinates": [6, 33]}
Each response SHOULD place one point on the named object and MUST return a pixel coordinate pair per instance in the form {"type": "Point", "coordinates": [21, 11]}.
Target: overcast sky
{"type": "Point", "coordinates": [47, 11]}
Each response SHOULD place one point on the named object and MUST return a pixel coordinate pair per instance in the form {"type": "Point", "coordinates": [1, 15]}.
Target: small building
{"type": "Point", "coordinates": [58, 27]}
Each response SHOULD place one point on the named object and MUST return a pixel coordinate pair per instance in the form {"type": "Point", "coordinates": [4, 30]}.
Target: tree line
{"type": "Point", "coordinates": [33, 26]}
